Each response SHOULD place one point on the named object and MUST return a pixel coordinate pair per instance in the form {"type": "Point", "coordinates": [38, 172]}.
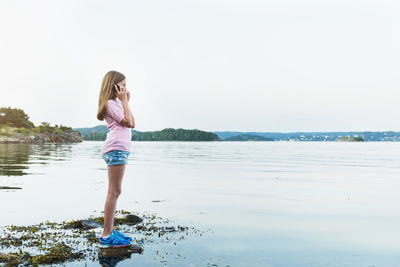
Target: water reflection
{"type": "Point", "coordinates": [110, 261]}
{"type": "Point", "coordinates": [15, 159]}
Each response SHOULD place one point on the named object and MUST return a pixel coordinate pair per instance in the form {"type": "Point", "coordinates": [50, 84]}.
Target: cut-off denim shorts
{"type": "Point", "coordinates": [115, 157]}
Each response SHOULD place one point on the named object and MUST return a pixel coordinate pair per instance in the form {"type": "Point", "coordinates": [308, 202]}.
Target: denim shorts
{"type": "Point", "coordinates": [115, 157]}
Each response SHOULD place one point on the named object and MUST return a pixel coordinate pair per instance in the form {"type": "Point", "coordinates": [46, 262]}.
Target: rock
{"type": "Point", "coordinates": [132, 219]}
{"type": "Point", "coordinates": [88, 224]}
{"type": "Point", "coordinates": [10, 187]}
{"type": "Point", "coordinates": [7, 257]}
{"type": "Point", "coordinates": [83, 224]}
{"type": "Point", "coordinates": [169, 229]}
{"type": "Point", "coordinates": [120, 252]}
{"type": "Point", "coordinates": [65, 136]}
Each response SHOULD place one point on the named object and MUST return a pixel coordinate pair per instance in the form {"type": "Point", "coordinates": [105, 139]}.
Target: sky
{"type": "Point", "coordinates": [213, 65]}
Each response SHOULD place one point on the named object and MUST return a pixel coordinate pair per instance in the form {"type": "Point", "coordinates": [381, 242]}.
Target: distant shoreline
{"type": "Point", "coordinates": [98, 133]}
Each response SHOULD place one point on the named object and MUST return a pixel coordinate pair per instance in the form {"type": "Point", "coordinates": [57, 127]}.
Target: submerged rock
{"type": "Point", "coordinates": [58, 253]}
{"type": "Point", "coordinates": [82, 224]}
{"type": "Point", "coordinates": [132, 219]}
{"type": "Point", "coordinates": [9, 259]}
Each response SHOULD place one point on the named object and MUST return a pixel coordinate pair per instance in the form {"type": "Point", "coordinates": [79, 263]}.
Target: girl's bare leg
{"type": "Point", "coordinates": [115, 175]}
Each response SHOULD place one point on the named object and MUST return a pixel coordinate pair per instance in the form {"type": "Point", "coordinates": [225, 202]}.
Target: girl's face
{"type": "Point", "coordinates": [122, 84]}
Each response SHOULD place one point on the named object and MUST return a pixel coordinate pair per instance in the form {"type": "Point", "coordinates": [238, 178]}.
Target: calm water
{"type": "Point", "coordinates": [268, 203]}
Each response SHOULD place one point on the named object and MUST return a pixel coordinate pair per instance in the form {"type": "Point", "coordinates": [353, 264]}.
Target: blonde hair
{"type": "Point", "coordinates": [106, 92]}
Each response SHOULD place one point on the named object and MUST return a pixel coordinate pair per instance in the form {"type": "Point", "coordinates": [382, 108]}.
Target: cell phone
{"type": "Point", "coordinates": [114, 89]}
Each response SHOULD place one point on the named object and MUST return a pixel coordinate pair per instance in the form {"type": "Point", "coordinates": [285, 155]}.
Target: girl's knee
{"type": "Point", "coordinates": [114, 193]}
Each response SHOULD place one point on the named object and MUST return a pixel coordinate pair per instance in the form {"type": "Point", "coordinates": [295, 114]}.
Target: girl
{"type": "Point", "coordinates": [113, 107]}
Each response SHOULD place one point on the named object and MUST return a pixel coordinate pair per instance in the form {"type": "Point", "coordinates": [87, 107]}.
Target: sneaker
{"type": "Point", "coordinates": [113, 241]}
{"type": "Point", "coordinates": [115, 232]}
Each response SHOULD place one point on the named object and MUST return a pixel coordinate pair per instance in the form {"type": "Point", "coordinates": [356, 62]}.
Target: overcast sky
{"type": "Point", "coordinates": [215, 65]}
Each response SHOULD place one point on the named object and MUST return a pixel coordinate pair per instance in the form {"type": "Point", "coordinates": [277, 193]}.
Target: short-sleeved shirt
{"type": "Point", "coordinates": [118, 137]}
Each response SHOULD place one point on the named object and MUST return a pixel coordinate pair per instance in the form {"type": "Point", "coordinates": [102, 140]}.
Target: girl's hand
{"type": "Point", "coordinates": [128, 95]}
{"type": "Point", "coordinates": [121, 93]}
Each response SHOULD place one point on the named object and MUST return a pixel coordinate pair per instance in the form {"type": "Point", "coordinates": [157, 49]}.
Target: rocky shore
{"type": "Point", "coordinates": [65, 136]}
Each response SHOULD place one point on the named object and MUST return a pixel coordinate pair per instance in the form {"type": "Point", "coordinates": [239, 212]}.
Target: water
{"type": "Point", "coordinates": [267, 203]}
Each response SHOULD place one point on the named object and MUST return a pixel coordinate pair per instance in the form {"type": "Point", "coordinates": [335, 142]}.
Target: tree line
{"type": "Point", "coordinates": [167, 134]}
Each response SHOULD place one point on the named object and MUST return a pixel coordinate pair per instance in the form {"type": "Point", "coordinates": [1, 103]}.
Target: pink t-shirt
{"type": "Point", "coordinates": [118, 137]}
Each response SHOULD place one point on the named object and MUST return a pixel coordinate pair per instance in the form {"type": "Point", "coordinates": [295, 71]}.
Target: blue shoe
{"type": "Point", "coordinates": [115, 232]}
{"type": "Point", "coordinates": [113, 241]}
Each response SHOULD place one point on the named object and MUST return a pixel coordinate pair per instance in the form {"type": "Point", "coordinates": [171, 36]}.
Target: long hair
{"type": "Point", "coordinates": [106, 92]}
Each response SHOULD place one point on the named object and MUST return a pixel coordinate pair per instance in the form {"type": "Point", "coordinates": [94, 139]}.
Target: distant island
{"type": "Point", "coordinates": [349, 139]}
{"type": "Point", "coordinates": [170, 134]}
{"type": "Point", "coordinates": [15, 127]}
